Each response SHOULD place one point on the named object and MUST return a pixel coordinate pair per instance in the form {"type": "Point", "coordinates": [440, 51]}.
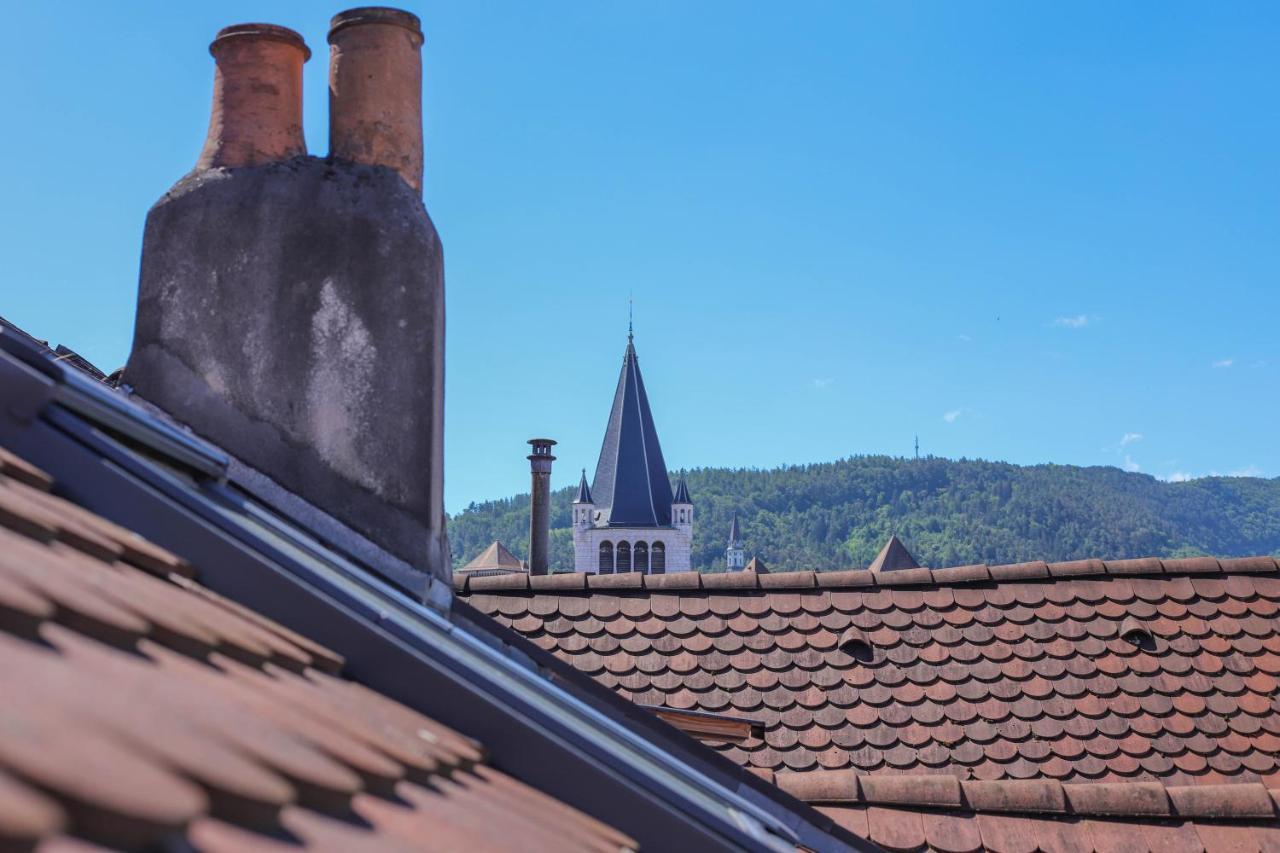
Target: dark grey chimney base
{"type": "Point", "coordinates": [293, 314]}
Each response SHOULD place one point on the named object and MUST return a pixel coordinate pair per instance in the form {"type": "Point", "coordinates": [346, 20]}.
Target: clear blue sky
{"type": "Point", "coordinates": [1026, 231]}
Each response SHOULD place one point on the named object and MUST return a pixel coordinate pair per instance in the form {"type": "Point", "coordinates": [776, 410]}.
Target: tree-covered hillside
{"type": "Point", "coordinates": [837, 515]}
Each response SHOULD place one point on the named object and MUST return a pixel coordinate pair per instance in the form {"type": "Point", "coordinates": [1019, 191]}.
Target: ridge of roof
{"type": "Point", "coordinates": [981, 573]}
{"type": "Point", "coordinates": [1135, 799]}
{"type": "Point", "coordinates": [941, 812]}
{"type": "Point", "coordinates": [631, 485]}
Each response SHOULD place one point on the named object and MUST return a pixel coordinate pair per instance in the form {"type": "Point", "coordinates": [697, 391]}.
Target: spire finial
{"type": "Point", "coordinates": [631, 314]}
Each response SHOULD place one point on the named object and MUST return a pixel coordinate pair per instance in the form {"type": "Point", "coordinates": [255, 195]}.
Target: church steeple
{"type": "Point", "coordinates": [631, 486]}
{"type": "Point", "coordinates": [734, 554]}
{"type": "Point", "coordinates": [584, 492]}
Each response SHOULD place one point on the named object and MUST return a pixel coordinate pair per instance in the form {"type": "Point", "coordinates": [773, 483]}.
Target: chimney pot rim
{"type": "Point", "coordinates": [270, 32]}
{"type": "Point", "coordinates": [375, 15]}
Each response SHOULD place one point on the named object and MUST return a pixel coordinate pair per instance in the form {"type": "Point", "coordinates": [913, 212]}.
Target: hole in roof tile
{"type": "Point", "coordinates": [1136, 633]}
{"type": "Point", "coordinates": [855, 644]}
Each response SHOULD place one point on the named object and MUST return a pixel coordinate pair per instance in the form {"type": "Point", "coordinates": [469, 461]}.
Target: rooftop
{"type": "Point", "coordinates": [140, 706]}
{"type": "Point", "coordinates": [1158, 677]}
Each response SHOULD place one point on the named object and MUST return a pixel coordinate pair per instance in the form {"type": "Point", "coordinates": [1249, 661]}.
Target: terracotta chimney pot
{"type": "Point", "coordinates": [375, 90]}
{"type": "Point", "coordinates": [257, 97]}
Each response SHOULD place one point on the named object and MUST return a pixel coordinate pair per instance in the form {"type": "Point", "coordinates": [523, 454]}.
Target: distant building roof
{"type": "Point", "coordinates": [735, 534]}
{"type": "Point", "coordinates": [756, 565]}
{"type": "Point", "coordinates": [893, 556]}
{"type": "Point", "coordinates": [584, 491]}
{"type": "Point", "coordinates": [682, 491]}
{"type": "Point", "coordinates": [495, 559]}
{"type": "Point", "coordinates": [631, 485]}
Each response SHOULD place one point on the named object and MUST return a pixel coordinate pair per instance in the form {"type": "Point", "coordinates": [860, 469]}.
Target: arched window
{"type": "Point", "coordinates": [640, 557]}
{"type": "Point", "coordinates": [658, 559]}
{"type": "Point", "coordinates": [624, 556]}
{"type": "Point", "coordinates": [606, 558]}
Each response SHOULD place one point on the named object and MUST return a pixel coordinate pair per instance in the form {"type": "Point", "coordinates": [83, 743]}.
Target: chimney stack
{"type": "Point", "coordinates": [291, 309]}
{"type": "Point", "coordinates": [375, 90]}
{"type": "Point", "coordinates": [257, 97]}
{"type": "Point", "coordinates": [540, 503]}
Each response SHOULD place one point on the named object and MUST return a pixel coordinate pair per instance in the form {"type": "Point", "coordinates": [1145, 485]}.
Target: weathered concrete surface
{"type": "Point", "coordinates": [293, 313]}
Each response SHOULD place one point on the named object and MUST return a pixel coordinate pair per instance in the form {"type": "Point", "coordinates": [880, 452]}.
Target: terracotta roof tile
{"type": "Point", "coordinates": [150, 709]}
{"type": "Point", "coordinates": [1013, 673]}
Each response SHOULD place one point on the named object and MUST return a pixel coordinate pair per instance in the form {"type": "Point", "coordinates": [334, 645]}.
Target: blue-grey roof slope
{"type": "Point", "coordinates": [682, 492]}
{"type": "Point", "coordinates": [584, 492]}
{"type": "Point", "coordinates": [631, 485]}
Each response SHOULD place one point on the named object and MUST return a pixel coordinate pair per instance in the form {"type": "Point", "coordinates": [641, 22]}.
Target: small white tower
{"type": "Point", "coordinates": [735, 556]}
{"type": "Point", "coordinates": [583, 508]}
{"type": "Point", "coordinates": [682, 508]}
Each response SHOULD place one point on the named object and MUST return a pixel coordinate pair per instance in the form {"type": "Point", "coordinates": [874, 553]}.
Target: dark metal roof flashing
{"type": "Point", "coordinates": [631, 485]}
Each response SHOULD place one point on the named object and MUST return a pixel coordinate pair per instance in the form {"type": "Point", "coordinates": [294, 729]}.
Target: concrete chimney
{"type": "Point", "coordinates": [257, 97]}
{"type": "Point", "coordinates": [375, 90]}
{"type": "Point", "coordinates": [540, 503]}
{"type": "Point", "coordinates": [291, 309]}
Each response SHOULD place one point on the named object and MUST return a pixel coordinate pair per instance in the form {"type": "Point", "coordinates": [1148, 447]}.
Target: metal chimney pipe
{"type": "Point", "coordinates": [375, 90]}
{"type": "Point", "coordinates": [540, 503]}
{"type": "Point", "coordinates": [257, 97]}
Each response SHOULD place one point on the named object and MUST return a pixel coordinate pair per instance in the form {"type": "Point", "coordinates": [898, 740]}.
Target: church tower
{"type": "Point", "coordinates": [629, 519]}
{"type": "Point", "coordinates": [735, 556]}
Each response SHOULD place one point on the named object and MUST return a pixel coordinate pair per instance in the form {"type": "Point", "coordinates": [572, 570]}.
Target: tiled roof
{"type": "Point", "coordinates": [141, 708]}
{"type": "Point", "coordinates": [1022, 816]}
{"type": "Point", "coordinates": [1089, 671]}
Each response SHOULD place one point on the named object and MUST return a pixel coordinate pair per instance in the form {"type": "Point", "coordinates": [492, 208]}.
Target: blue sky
{"type": "Point", "coordinates": [1028, 232]}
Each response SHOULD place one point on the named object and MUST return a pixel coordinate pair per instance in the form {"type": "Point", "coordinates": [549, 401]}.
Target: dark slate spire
{"type": "Point", "coordinates": [734, 534]}
{"type": "Point", "coordinates": [584, 493]}
{"type": "Point", "coordinates": [682, 491]}
{"type": "Point", "coordinates": [894, 555]}
{"type": "Point", "coordinates": [631, 486]}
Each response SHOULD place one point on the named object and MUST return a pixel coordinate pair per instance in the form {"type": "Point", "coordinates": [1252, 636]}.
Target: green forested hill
{"type": "Point", "coordinates": [837, 515]}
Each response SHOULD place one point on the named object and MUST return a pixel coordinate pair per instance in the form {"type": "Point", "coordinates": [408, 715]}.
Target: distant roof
{"type": "Point", "coordinates": [682, 491]}
{"type": "Point", "coordinates": [893, 556]}
{"type": "Point", "coordinates": [631, 485]}
{"type": "Point", "coordinates": [495, 557]}
{"type": "Point", "coordinates": [735, 535]}
{"type": "Point", "coordinates": [755, 564]}
{"type": "Point", "coordinates": [584, 491]}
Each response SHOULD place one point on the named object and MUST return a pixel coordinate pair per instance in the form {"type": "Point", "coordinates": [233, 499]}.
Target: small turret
{"type": "Point", "coordinates": [682, 506]}
{"type": "Point", "coordinates": [583, 507]}
{"type": "Point", "coordinates": [735, 555]}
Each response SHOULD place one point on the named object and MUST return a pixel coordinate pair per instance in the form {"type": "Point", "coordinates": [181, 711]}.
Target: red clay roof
{"type": "Point", "coordinates": [140, 708]}
{"type": "Point", "coordinates": [1083, 672]}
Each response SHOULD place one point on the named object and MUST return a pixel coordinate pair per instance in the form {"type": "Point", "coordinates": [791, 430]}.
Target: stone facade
{"type": "Point", "coordinates": [676, 542]}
